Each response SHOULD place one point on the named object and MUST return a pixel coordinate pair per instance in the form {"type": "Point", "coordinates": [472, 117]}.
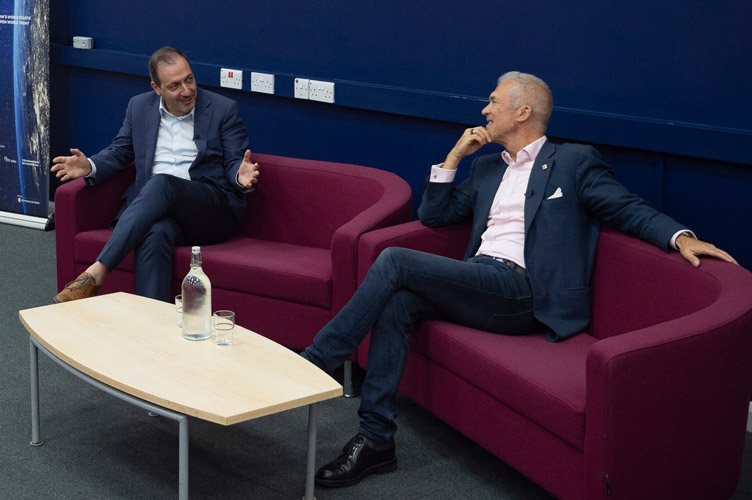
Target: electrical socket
{"type": "Point", "coordinates": [301, 88]}
{"type": "Point", "coordinates": [262, 82]}
{"type": "Point", "coordinates": [231, 78]}
{"type": "Point", "coordinates": [321, 91]}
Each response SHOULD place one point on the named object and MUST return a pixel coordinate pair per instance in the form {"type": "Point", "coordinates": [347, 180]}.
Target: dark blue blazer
{"type": "Point", "coordinates": [561, 234]}
{"type": "Point", "coordinates": [219, 134]}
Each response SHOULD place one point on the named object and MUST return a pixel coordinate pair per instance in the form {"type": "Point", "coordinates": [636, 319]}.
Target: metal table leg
{"type": "Point", "coordinates": [163, 412]}
{"type": "Point", "coordinates": [34, 365]}
{"type": "Point", "coordinates": [311, 461]}
{"type": "Point", "coordinates": [348, 390]}
{"type": "Point", "coordinates": [183, 459]}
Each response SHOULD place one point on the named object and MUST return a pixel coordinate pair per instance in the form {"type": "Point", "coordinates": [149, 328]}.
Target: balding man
{"type": "Point", "coordinates": [536, 210]}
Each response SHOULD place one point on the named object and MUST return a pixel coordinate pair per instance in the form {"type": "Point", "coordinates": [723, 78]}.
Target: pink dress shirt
{"type": "Point", "coordinates": [504, 237]}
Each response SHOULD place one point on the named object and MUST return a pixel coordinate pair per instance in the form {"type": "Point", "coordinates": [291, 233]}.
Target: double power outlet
{"type": "Point", "coordinates": [233, 79]}
{"type": "Point", "coordinates": [314, 90]}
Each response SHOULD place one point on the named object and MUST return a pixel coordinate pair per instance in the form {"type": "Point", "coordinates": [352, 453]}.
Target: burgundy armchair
{"type": "Point", "coordinates": [291, 265]}
{"type": "Point", "coordinates": [651, 402]}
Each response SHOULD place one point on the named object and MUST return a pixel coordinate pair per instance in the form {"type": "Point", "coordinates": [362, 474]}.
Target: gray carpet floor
{"type": "Point", "coordinates": [98, 447]}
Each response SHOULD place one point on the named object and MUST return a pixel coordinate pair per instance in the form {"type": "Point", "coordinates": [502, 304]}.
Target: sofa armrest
{"type": "Point", "coordinates": [394, 207]}
{"type": "Point", "coordinates": [79, 208]}
{"type": "Point", "coordinates": [667, 404]}
{"type": "Point", "coordinates": [448, 241]}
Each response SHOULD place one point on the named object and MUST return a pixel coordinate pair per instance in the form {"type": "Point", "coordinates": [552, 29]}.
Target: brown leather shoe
{"type": "Point", "coordinates": [80, 288]}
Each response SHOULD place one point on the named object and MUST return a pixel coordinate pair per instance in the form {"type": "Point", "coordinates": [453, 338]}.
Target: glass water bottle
{"type": "Point", "coordinates": [196, 300]}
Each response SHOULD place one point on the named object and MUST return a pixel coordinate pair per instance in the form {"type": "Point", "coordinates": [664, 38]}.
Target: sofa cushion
{"type": "Point", "coordinates": [285, 271]}
{"type": "Point", "coordinates": [293, 273]}
{"type": "Point", "coordinates": [541, 380]}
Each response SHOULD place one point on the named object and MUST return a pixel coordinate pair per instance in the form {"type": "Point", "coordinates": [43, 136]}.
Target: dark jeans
{"type": "Point", "coordinates": [403, 287]}
{"type": "Point", "coordinates": [168, 211]}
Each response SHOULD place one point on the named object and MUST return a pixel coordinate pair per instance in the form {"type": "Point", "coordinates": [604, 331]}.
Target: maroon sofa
{"type": "Point", "coordinates": [650, 403]}
{"type": "Point", "coordinates": [292, 263]}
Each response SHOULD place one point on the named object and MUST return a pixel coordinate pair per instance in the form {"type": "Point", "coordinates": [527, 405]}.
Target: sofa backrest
{"type": "Point", "coordinates": [305, 201]}
{"type": "Point", "coordinates": [635, 285]}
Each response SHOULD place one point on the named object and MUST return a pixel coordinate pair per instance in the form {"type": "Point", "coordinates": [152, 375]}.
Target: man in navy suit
{"type": "Point", "coordinates": [193, 170]}
{"type": "Point", "coordinates": [536, 211]}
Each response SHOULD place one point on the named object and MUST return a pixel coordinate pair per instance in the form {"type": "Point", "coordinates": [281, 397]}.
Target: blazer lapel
{"type": "Point", "coordinates": [201, 121]}
{"type": "Point", "coordinates": [489, 187]}
{"type": "Point", "coordinates": [152, 119]}
{"type": "Point", "coordinates": [536, 186]}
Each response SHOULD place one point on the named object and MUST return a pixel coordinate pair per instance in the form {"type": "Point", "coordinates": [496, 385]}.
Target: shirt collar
{"type": "Point", "coordinates": [528, 153]}
{"type": "Point", "coordinates": [163, 111]}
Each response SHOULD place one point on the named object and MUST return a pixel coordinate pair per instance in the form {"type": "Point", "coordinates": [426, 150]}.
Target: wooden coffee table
{"type": "Point", "coordinates": [132, 348]}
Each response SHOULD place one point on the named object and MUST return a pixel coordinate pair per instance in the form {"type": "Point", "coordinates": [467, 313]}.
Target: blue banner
{"type": "Point", "coordinates": [24, 107]}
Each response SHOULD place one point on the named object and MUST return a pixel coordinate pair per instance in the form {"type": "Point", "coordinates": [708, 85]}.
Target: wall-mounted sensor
{"type": "Point", "coordinates": [83, 42]}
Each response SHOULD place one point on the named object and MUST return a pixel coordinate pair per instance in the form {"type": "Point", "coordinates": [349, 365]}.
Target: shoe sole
{"type": "Point", "coordinates": [56, 298]}
{"type": "Point", "coordinates": [382, 468]}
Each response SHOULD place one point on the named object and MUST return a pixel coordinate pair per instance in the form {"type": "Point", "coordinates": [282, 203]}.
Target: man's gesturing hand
{"type": "Point", "coordinates": [248, 173]}
{"type": "Point", "coordinates": [71, 167]}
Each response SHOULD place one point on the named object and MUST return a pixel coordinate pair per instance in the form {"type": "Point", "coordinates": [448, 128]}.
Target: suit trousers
{"type": "Point", "coordinates": [168, 211]}
{"type": "Point", "coordinates": [406, 286]}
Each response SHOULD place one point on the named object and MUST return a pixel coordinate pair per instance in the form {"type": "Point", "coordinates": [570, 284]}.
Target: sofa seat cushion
{"type": "Point", "coordinates": [283, 271]}
{"type": "Point", "coordinates": [87, 246]}
{"type": "Point", "coordinates": [541, 380]}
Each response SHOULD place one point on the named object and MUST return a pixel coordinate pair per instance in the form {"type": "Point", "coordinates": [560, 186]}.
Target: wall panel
{"type": "Point", "coordinates": [655, 85]}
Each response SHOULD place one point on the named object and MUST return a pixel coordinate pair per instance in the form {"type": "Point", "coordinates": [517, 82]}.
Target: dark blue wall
{"type": "Point", "coordinates": [659, 87]}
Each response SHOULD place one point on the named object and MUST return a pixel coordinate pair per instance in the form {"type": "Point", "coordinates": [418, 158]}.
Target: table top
{"type": "Point", "coordinates": [133, 344]}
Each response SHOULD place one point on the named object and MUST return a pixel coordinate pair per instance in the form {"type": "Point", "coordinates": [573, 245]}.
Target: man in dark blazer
{"type": "Point", "coordinates": [536, 211]}
{"type": "Point", "coordinates": [193, 170]}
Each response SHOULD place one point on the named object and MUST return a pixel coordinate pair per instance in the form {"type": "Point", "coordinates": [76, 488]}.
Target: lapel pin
{"type": "Point", "coordinates": [544, 166]}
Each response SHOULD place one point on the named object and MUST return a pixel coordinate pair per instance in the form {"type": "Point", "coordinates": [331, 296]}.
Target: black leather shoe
{"type": "Point", "coordinates": [360, 457]}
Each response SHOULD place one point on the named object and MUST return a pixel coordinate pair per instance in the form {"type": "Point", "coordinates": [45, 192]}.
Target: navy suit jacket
{"type": "Point", "coordinates": [561, 234]}
{"type": "Point", "coordinates": [219, 135]}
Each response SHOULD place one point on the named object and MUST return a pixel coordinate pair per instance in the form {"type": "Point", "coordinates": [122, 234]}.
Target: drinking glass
{"type": "Point", "coordinates": [224, 325]}
{"type": "Point", "coordinates": [179, 309]}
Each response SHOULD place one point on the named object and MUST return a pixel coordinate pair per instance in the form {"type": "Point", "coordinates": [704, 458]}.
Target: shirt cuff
{"type": "Point", "coordinates": [679, 233]}
{"type": "Point", "coordinates": [441, 175]}
{"type": "Point", "coordinates": [93, 172]}
{"type": "Point", "coordinates": [242, 188]}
